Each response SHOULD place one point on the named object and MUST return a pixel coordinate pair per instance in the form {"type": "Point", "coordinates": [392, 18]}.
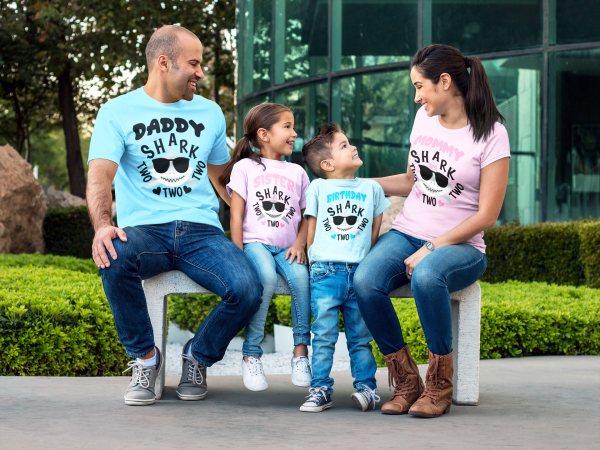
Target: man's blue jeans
{"type": "Point", "coordinates": [268, 261]}
{"type": "Point", "coordinates": [444, 270]}
{"type": "Point", "coordinates": [332, 291]}
{"type": "Point", "coordinates": [205, 255]}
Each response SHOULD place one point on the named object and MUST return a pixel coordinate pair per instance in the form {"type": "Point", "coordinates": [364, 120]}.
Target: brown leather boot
{"type": "Point", "coordinates": [437, 398]}
{"type": "Point", "coordinates": [403, 374]}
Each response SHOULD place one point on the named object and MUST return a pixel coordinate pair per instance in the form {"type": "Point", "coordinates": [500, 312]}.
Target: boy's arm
{"type": "Point", "coordinates": [376, 226]}
{"type": "Point", "coordinates": [312, 228]}
{"type": "Point", "coordinates": [238, 207]}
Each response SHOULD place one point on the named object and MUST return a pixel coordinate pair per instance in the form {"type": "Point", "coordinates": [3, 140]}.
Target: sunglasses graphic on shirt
{"type": "Point", "coordinates": [350, 220]}
{"type": "Point", "coordinates": [427, 173]}
{"type": "Point", "coordinates": [279, 207]}
{"type": "Point", "coordinates": [161, 165]}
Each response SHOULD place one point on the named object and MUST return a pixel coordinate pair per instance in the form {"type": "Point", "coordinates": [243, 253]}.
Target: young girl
{"type": "Point", "coordinates": [267, 206]}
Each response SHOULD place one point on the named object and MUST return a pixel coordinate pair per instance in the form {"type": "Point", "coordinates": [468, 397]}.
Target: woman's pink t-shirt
{"type": "Point", "coordinates": [274, 197]}
{"type": "Point", "coordinates": [447, 167]}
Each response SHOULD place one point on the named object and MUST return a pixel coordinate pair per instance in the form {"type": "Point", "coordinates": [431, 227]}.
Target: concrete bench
{"type": "Point", "coordinates": [466, 316]}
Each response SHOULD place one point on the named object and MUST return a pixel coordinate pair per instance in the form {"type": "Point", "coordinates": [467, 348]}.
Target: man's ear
{"type": "Point", "coordinates": [327, 165]}
{"type": "Point", "coordinates": [263, 135]}
{"type": "Point", "coordinates": [163, 63]}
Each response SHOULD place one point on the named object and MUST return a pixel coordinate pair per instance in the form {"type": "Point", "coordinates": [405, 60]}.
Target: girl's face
{"type": "Point", "coordinates": [433, 97]}
{"type": "Point", "coordinates": [281, 137]}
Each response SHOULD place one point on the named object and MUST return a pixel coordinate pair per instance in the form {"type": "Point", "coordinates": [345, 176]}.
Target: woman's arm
{"type": "Point", "coordinates": [400, 184]}
{"type": "Point", "coordinates": [492, 187]}
{"type": "Point", "coordinates": [238, 208]}
{"type": "Point", "coordinates": [297, 250]}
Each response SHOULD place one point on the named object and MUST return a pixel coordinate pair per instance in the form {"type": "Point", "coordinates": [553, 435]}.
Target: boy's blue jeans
{"type": "Point", "coordinates": [268, 261]}
{"type": "Point", "coordinates": [332, 291]}
{"type": "Point", "coordinates": [205, 255]}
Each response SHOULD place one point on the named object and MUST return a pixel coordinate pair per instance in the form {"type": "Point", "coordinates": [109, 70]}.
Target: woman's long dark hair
{"type": "Point", "coordinates": [436, 59]}
{"type": "Point", "coordinates": [261, 116]}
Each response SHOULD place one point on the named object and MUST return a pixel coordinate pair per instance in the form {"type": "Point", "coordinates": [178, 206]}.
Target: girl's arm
{"type": "Point", "coordinates": [492, 188]}
{"type": "Point", "coordinates": [297, 250]}
{"type": "Point", "coordinates": [238, 207]}
{"type": "Point", "coordinates": [312, 227]}
{"type": "Point", "coordinates": [400, 184]}
{"type": "Point", "coordinates": [376, 226]}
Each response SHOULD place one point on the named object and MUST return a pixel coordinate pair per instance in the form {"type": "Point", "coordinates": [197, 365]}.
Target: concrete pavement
{"type": "Point", "coordinates": [526, 403]}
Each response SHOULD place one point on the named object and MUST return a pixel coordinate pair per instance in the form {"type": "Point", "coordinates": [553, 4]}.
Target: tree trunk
{"type": "Point", "coordinates": [19, 122]}
{"type": "Point", "coordinates": [71, 130]}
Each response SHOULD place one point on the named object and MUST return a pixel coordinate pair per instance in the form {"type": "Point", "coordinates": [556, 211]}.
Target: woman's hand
{"type": "Point", "coordinates": [296, 251]}
{"type": "Point", "coordinates": [414, 259]}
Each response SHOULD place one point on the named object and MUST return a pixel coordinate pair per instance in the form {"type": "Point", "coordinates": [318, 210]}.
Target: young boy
{"type": "Point", "coordinates": [344, 216]}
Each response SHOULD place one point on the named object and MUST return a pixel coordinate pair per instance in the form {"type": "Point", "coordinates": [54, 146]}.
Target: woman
{"type": "Point", "coordinates": [455, 182]}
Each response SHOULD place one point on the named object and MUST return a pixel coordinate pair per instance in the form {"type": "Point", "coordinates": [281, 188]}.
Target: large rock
{"type": "Point", "coordinates": [22, 205]}
{"type": "Point", "coordinates": [390, 214]}
{"type": "Point", "coordinates": [60, 199]}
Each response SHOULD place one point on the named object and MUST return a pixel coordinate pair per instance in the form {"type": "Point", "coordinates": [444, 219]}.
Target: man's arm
{"type": "Point", "coordinates": [101, 173]}
{"type": "Point", "coordinates": [214, 172]}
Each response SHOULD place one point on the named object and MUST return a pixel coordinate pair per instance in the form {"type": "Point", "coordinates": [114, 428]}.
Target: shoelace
{"type": "Point", "coordinates": [371, 394]}
{"type": "Point", "coordinates": [302, 365]}
{"type": "Point", "coordinates": [255, 366]}
{"type": "Point", "coordinates": [432, 390]}
{"type": "Point", "coordinates": [194, 369]}
{"type": "Point", "coordinates": [139, 373]}
{"type": "Point", "coordinates": [314, 393]}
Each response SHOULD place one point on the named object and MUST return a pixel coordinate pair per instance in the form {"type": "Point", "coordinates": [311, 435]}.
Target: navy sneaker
{"type": "Point", "coordinates": [365, 397]}
{"type": "Point", "coordinates": [318, 400]}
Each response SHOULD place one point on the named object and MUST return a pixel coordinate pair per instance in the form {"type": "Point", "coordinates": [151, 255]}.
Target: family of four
{"type": "Point", "coordinates": [165, 149]}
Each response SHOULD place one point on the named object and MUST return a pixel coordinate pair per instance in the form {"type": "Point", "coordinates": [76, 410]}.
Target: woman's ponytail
{"type": "Point", "coordinates": [261, 116]}
{"type": "Point", "coordinates": [474, 86]}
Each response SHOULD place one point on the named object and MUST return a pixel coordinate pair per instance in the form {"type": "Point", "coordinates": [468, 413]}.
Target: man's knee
{"type": "Point", "coordinates": [247, 290]}
{"type": "Point", "coordinates": [125, 261]}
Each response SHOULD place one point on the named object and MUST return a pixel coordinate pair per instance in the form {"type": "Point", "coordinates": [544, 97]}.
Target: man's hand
{"type": "Point", "coordinates": [103, 241]}
{"type": "Point", "coordinates": [411, 262]}
{"type": "Point", "coordinates": [296, 251]}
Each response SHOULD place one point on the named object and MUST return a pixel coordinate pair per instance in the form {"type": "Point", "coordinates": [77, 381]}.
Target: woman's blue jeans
{"type": "Point", "coordinates": [268, 261]}
{"type": "Point", "coordinates": [446, 269]}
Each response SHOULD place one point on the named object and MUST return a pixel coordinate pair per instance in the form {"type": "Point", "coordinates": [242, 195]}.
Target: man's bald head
{"type": "Point", "coordinates": [166, 41]}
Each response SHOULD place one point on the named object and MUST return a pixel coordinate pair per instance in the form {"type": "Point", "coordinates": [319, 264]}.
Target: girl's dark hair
{"type": "Point", "coordinates": [261, 116]}
{"type": "Point", "coordinates": [436, 59]}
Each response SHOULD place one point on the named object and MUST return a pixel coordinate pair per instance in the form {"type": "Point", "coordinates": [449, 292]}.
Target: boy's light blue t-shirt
{"type": "Point", "coordinates": [162, 150]}
{"type": "Point", "coordinates": [344, 210]}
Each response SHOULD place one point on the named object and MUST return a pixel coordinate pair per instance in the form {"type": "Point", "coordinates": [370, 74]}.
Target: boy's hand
{"type": "Point", "coordinates": [296, 251]}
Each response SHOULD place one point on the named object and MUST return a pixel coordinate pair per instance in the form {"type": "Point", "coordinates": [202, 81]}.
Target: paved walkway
{"type": "Point", "coordinates": [527, 403]}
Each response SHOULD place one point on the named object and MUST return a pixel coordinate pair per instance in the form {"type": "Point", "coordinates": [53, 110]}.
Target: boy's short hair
{"type": "Point", "coordinates": [318, 148]}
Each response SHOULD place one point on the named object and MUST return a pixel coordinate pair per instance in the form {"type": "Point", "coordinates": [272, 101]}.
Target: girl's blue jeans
{"type": "Point", "coordinates": [268, 261]}
{"type": "Point", "coordinates": [447, 269]}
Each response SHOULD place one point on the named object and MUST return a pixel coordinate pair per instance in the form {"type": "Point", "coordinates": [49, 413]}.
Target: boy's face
{"type": "Point", "coordinates": [344, 159]}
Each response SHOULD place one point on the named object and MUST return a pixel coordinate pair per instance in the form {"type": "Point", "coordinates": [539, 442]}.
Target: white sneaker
{"type": "Point", "coordinates": [254, 375]}
{"type": "Point", "coordinates": [301, 373]}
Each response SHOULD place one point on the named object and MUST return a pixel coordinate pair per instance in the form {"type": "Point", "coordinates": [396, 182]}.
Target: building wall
{"type": "Point", "coordinates": [348, 61]}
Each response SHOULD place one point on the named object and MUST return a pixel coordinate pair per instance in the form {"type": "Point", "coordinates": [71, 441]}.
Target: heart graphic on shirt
{"type": "Point", "coordinates": [187, 190]}
{"type": "Point", "coordinates": [281, 225]}
{"type": "Point", "coordinates": [441, 203]}
{"type": "Point", "coordinates": [263, 222]}
{"type": "Point", "coordinates": [352, 236]}
{"type": "Point", "coordinates": [418, 194]}
{"type": "Point", "coordinates": [156, 191]}
{"type": "Point", "coordinates": [333, 236]}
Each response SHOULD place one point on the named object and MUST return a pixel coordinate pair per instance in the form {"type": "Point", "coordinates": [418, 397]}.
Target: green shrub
{"type": "Point", "coordinates": [69, 232]}
{"type": "Point", "coordinates": [590, 253]}
{"type": "Point", "coordinates": [45, 261]}
{"type": "Point", "coordinates": [56, 322]}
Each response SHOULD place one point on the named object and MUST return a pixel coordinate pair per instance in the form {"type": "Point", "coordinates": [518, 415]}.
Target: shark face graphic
{"type": "Point", "coordinates": [171, 171]}
{"type": "Point", "coordinates": [273, 209]}
{"type": "Point", "coordinates": [432, 183]}
{"type": "Point", "coordinates": [345, 223]}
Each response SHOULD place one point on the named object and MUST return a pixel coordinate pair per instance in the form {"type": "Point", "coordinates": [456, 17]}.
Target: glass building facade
{"type": "Point", "coordinates": [348, 61]}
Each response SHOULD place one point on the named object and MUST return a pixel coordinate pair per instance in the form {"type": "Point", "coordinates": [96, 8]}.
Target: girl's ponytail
{"type": "Point", "coordinates": [474, 87]}
{"type": "Point", "coordinates": [261, 116]}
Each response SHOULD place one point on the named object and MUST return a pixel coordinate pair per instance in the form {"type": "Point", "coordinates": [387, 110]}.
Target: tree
{"type": "Point", "coordinates": [87, 46]}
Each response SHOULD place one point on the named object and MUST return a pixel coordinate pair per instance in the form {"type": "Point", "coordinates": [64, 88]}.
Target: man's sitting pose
{"type": "Point", "coordinates": [164, 144]}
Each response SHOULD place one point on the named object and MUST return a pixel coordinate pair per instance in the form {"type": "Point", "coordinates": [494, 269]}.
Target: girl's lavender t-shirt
{"type": "Point", "coordinates": [447, 167]}
{"type": "Point", "coordinates": [274, 197]}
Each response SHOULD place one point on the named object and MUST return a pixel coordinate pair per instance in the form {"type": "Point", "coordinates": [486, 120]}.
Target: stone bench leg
{"type": "Point", "coordinates": [466, 326]}
{"type": "Point", "coordinates": [157, 308]}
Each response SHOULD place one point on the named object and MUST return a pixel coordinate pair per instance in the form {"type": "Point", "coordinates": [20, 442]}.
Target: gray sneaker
{"type": "Point", "coordinates": [141, 387]}
{"type": "Point", "coordinates": [192, 385]}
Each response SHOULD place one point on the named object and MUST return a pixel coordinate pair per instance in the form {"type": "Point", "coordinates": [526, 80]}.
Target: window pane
{"type": "Point", "coordinates": [377, 112]}
{"type": "Point", "coordinates": [574, 135]}
{"type": "Point", "coordinates": [309, 105]}
{"type": "Point", "coordinates": [476, 26]}
{"type": "Point", "coordinates": [516, 84]}
{"type": "Point", "coordinates": [577, 21]}
{"type": "Point", "coordinates": [256, 31]}
{"type": "Point", "coordinates": [301, 39]}
{"type": "Point", "coordinates": [374, 32]}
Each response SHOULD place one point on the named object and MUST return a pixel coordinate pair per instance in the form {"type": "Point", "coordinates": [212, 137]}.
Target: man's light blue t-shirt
{"type": "Point", "coordinates": [162, 150]}
{"type": "Point", "coordinates": [344, 210]}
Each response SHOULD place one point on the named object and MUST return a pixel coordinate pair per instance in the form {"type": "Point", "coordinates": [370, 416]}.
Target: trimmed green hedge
{"type": "Point", "coordinates": [69, 232]}
{"type": "Point", "coordinates": [56, 322]}
{"type": "Point", "coordinates": [561, 253]}
{"type": "Point", "coordinates": [45, 261]}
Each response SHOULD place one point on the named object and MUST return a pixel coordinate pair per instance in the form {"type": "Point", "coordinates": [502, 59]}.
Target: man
{"type": "Point", "coordinates": [164, 144]}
